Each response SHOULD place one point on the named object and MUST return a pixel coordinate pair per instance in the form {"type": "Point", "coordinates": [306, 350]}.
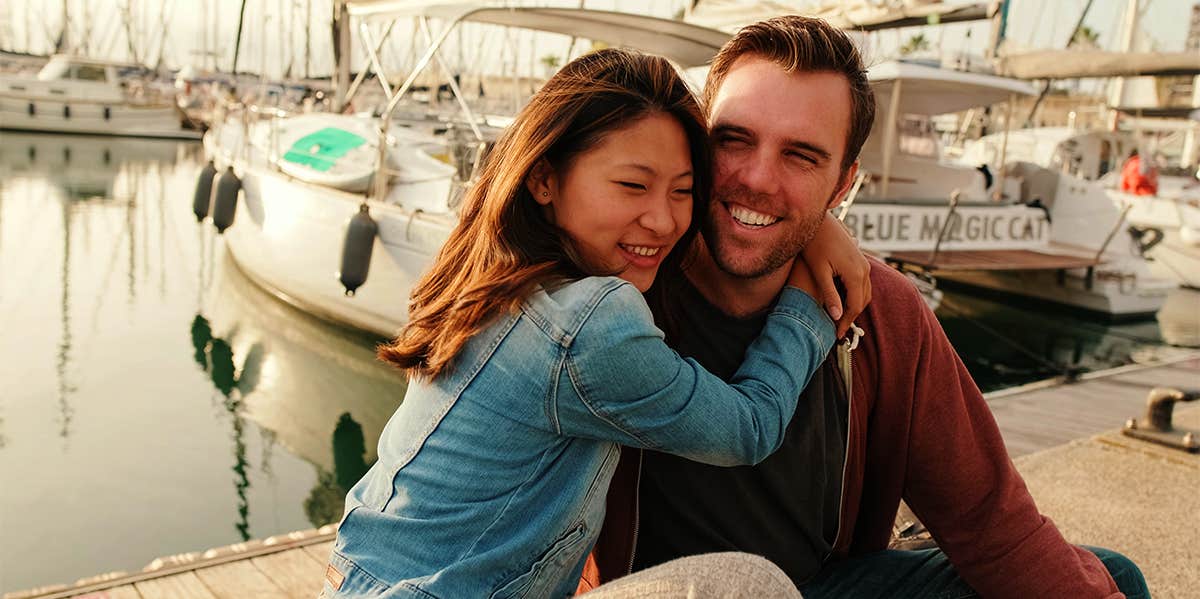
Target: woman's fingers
{"type": "Point", "coordinates": [857, 283]}
{"type": "Point", "coordinates": [827, 292]}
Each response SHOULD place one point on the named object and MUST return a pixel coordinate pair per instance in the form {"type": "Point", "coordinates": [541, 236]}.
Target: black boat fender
{"type": "Point", "coordinates": [203, 196]}
{"type": "Point", "coordinates": [225, 200]}
{"type": "Point", "coordinates": [356, 250]}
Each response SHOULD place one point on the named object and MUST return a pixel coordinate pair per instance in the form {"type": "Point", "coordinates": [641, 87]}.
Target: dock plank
{"type": "Point", "coordinates": [1045, 417]}
{"type": "Point", "coordinates": [239, 579]}
{"type": "Point", "coordinates": [295, 571]}
{"type": "Point", "coordinates": [178, 586]}
{"type": "Point", "coordinates": [320, 551]}
{"type": "Point", "coordinates": [963, 260]}
{"type": "Point", "coordinates": [122, 592]}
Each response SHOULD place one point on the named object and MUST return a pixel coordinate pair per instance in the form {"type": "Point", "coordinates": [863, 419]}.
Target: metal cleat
{"type": "Point", "coordinates": [1156, 427]}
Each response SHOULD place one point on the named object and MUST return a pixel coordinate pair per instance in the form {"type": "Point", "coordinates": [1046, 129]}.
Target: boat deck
{"type": "Point", "coordinates": [965, 260]}
{"type": "Point", "coordinates": [1100, 487]}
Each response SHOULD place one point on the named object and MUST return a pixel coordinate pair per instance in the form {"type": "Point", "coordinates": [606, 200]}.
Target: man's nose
{"type": "Point", "coordinates": [758, 173]}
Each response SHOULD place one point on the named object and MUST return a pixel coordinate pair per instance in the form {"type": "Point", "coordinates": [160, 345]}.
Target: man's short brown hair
{"type": "Point", "coordinates": [803, 44]}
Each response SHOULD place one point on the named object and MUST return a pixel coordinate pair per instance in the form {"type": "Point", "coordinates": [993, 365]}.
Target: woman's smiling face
{"type": "Point", "coordinates": [627, 200]}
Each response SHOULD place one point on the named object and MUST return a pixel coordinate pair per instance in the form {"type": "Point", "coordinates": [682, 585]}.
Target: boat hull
{"type": "Point", "coordinates": [287, 236]}
{"type": "Point", "coordinates": [1105, 297]}
{"type": "Point", "coordinates": [84, 117]}
{"type": "Point", "coordinates": [1177, 255]}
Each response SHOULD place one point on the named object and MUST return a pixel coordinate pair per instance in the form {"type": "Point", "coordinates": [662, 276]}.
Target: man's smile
{"type": "Point", "coordinates": [749, 218]}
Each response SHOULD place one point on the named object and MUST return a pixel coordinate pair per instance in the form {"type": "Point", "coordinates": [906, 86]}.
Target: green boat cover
{"type": "Point", "coordinates": [321, 150]}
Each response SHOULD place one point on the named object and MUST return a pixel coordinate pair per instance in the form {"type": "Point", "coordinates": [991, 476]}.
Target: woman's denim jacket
{"type": "Point", "coordinates": [491, 478]}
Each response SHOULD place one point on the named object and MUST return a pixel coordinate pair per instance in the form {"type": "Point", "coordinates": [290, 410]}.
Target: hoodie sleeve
{"type": "Point", "coordinates": [956, 473]}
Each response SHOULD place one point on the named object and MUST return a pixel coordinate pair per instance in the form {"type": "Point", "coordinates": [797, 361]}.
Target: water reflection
{"type": "Point", "coordinates": [326, 501]}
{"type": "Point", "coordinates": [1006, 343]}
{"type": "Point", "coordinates": [83, 175]}
{"type": "Point", "coordinates": [253, 422]}
{"type": "Point", "coordinates": [64, 345]}
{"type": "Point", "coordinates": [316, 387]}
{"type": "Point", "coordinates": [215, 356]}
{"type": "Point", "coordinates": [1179, 318]}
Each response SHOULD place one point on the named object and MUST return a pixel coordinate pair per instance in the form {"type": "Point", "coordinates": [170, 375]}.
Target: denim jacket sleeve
{"type": "Point", "coordinates": [626, 385]}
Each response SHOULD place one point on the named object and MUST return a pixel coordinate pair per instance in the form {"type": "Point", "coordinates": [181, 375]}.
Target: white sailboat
{"type": "Point", "coordinates": [297, 193]}
{"type": "Point", "coordinates": [71, 94]}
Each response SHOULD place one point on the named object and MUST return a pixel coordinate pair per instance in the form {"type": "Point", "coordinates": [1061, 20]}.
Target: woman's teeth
{"type": "Point", "coordinates": [640, 250]}
{"type": "Point", "coordinates": [750, 217]}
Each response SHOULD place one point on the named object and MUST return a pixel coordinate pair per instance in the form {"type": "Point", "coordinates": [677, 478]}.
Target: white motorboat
{"type": "Point", "coordinates": [293, 219]}
{"type": "Point", "coordinates": [71, 94]}
{"type": "Point", "coordinates": [1165, 227]}
{"type": "Point", "coordinates": [1013, 227]}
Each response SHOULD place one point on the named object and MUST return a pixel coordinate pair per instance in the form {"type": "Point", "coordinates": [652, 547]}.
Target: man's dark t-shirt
{"type": "Point", "coordinates": [785, 508]}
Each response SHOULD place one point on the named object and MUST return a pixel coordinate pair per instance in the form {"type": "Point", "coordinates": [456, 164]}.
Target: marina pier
{"type": "Point", "coordinates": [1100, 487]}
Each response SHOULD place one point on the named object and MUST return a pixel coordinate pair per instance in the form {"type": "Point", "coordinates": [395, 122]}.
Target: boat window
{"type": "Point", "coordinates": [86, 72]}
{"type": "Point", "coordinates": [1106, 153]}
{"type": "Point", "coordinates": [916, 136]}
{"type": "Point", "coordinates": [55, 69]}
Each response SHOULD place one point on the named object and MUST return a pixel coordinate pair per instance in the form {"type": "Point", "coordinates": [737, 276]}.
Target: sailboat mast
{"type": "Point", "coordinates": [130, 37]}
{"type": "Point", "coordinates": [307, 37]}
{"type": "Point", "coordinates": [61, 44]}
{"type": "Point", "coordinates": [999, 29]}
{"type": "Point", "coordinates": [1117, 87]}
{"type": "Point", "coordinates": [341, 54]}
{"type": "Point", "coordinates": [237, 42]}
{"type": "Point", "coordinates": [1048, 82]}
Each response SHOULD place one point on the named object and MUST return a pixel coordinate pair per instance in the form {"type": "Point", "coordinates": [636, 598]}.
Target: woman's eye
{"type": "Point", "coordinates": [684, 190]}
{"type": "Point", "coordinates": [632, 185]}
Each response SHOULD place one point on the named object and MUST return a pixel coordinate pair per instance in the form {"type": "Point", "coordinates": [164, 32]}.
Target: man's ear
{"type": "Point", "coordinates": [844, 184]}
{"type": "Point", "coordinates": [542, 182]}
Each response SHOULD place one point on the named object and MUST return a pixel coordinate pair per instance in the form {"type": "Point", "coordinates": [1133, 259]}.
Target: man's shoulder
{"type": "Point", "coordinates": [891, 290]}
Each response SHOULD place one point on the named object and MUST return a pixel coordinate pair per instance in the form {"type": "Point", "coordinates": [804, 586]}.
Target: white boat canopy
{"type": "Point", "coordinates": [863, 16]}
{"type": "Point", "coordinates": [931, 90]}
{"type": "Point", "coordinates": [1074, 64]}
{"type": "Point", "coordinates": [685, 44]}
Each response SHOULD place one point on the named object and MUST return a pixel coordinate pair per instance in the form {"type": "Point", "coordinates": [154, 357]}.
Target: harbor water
{"type": "Point", "coordinates": [155, 401]}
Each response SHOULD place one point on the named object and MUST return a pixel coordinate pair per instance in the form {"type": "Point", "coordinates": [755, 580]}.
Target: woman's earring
{"type": "Point", "coordinates": [545, 194]}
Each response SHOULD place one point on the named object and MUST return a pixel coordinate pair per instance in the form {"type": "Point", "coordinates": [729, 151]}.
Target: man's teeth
{"type": "Point", "coordinates": [750, 217]}
{"type": "Point", "coordinates": [641, 250]}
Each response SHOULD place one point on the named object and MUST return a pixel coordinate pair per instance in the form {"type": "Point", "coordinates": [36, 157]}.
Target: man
{"type": "Point", "coordinates": [789, 109]}
{"type": "Point", "coordinates": [1139, 177]}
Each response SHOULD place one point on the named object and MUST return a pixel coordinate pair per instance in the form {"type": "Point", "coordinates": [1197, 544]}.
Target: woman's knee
{"type": "Point", "coordinates": [730, 574]}
{"type": "Point", "coordinates": [755, 571]}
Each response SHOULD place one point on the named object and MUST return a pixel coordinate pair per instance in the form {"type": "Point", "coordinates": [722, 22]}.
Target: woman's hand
{"type": "Point", "coordinates": [833, 253]}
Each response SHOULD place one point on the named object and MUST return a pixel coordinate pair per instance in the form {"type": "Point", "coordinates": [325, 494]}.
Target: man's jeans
{"type": "Point", "coordinates": [927, 574]}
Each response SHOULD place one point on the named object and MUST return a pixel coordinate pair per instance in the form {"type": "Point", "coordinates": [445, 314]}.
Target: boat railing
{"type": "Point", "coordinates": [465, 153]}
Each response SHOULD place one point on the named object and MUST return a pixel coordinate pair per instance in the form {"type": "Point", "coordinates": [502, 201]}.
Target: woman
{"type": "Point", "coordinates": [527, 371]}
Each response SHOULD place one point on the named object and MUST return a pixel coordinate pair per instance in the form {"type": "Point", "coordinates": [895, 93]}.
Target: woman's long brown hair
{"type": "Point", "coordinates": [504, 246]}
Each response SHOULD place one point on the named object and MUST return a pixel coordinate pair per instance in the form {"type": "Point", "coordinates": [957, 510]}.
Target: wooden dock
{"type": "Point", "coordinates": [974, 260]}
{"type": "Point", "coordinates": [279, 567]}
{"type": "Point", "coordinates": [1046, 414]}
{"type": "Point", "coordinates": [1033, 418]}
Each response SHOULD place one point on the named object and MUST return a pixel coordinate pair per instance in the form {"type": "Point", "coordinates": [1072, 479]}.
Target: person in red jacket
{"type": "Point", "coordinates": [892, 415]}
{"type": "Point", "coordinates": [1138, 176]}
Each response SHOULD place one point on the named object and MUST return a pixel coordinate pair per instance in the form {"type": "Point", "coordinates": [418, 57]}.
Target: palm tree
{"type": "Point", "coordinates": [1085, 37]}
{"type": "Point", "coordinates": [916, 43]}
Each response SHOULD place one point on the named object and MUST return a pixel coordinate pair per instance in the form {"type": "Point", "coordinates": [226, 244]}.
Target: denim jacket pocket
{"type": "Point", "coordinates": [345, 579]}
{"type": "Point", "coordinates": [532, 583]}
